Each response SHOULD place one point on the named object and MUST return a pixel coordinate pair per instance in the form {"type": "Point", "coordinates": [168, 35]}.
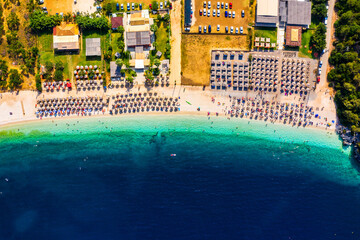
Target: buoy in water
{"type": "Point", "coordinates": [173, 155]}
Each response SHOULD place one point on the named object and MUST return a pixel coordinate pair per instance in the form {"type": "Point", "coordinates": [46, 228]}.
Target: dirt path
{"type": "Point", "coordinates": [175, 64]}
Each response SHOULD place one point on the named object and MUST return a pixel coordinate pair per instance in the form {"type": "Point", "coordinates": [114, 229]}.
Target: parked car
{"type": "Point", "coordinates": [229, 14]}
{"type": "Point", "coordinates": [161, 5]}
{"type": "Point", "coordinates": [218, 14]}
{"type": "Point", "coordinates": [241, 30]}
{"type": "Point", "coordinates": [199, 28]}
{"type": "Point", "coordinates": [117, 6]}
{"type": "Point", "coordinates": [319, 72]}
{"type": "Point", "coordinates": [218, 5]}
{"type": "Point", "coordinates": [44, 8]}
{"type": "Point", "coordinates": [231, 29]}
{"type": "Point", "coordinates": [242, 13]}
{"type": "Point", "coordinates": [222, 4]}
{"type": "Point", "coordinates": [133, 6]}
{"type": "Point", "coordinates": [320, 64]}
{"type": "Point", "coordinates": [233, 14]}
{"type": "Point", "coordinates": [209, 14]}
{"type": "Point", "coordinates": [318, 79]}
{"type": "Point", "coordinates": [226, 29]}
{"type": "Point", "coordinates": [214, 13]}
{"type": "Point", "coordinates": [204, 12]}
{"type": "Point", "coordinates": [200, 12]}
{"type": "Point", "coordinates": [209, 4]}
{"type": "Point", "coordinates": [236, 30]}
{"type": "Point", "coordinates": [150, 6]}
{"type": "Point", "coordinates": [204, 29]}
{"type": "Point", "coordinates": [226, 13]}
{"type": "Point", "coordinates": [209, 28]}
{"type": "Point", "coordinates": [325, 22]}
{"type": "Point", "coordinates": [140, 6]}
{"type": "Point", "coordinates": [218, 27]}
{"type": "Point", "coordinates": [187, 29]}
{"type": "Point", "coordinates": [128, 6]}
{"type": "Point", "coordinates": [230, 5]}
{"type": "Point", "coordinates": [204, 4]}
{"type": "Point", "coordinates": [122, 7]}
{"type": "Point", "coordinates": [226, 5]}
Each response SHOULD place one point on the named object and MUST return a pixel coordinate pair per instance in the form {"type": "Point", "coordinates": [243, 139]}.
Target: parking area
{"type": "Point", "coordinates": [220, 15]}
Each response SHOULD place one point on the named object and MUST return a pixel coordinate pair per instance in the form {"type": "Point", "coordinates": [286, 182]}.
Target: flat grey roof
{"type": "Point", "coordinates": [114, 70]}
{"type": "Point", "coordinates": [299, 13]}
{"type": "Point", "coordinates": [266, 20]}
{"type": "Point", "coordinates": [93, 47]}
{"type": "Point", "coordinates": [138, 38]}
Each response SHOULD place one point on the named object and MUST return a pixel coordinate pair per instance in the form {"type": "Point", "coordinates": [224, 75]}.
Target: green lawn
{"type": "Point", "coordinates": [305, 41]}
{"type": "Point", "coordinates": [114, 40]}
{"type": "Point", "coordinates": [161, 37]}
{"type": "Point", "coordinates": [266, 33]}
{"type": "Point", "coordinates": [70, 61]}
{"type": "Point", "coordinates": [46, 40]}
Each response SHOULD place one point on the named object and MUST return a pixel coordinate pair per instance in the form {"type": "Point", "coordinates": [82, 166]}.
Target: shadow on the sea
{"type": "Point", "coordinates": [354, 163]}
{"type": "Point", "coordinates": [153, 138]}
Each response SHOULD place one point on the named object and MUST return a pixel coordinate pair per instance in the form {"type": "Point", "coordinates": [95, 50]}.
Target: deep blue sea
{"type": "Point", "coordinates": [115, 178]}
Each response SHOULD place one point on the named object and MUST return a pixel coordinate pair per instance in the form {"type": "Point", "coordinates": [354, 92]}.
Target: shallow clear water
{"type": "Point", "coordinates": [115, 178]}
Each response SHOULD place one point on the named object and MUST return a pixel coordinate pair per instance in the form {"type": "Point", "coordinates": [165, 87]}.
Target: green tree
{"type": "Point", "coordinates": [119, 62]}
{"type": "Point", "coordinates": [318, 40]}
{"type": "Point", "coordinates": [49, 66]}
{"type": "Point", "coordinates": [108, 8]}
{"type": "Point", "coordinates": [58, 75]}
{"type": "Point", "coordinates": [167, 18]}
{"type": "Point", "coordinates": [157, 62]}
{"type": "Point", "coordinates": [3, 70]}
{"type": "Point", "coordinates": [15, 79]}
{"type": "Point", "coordinates": [13, 21]}
{"type": "Point", "coordinates": [154, 5]}
{"type": "Point", "coordinates": [59, 65]}
{"type": "Point", "coordinates": [38, 82]}
{"type": "Point", "coordinates": [319, 11]}
{"type": "Point", "coordinates": [39, 21]}
{"type": "Point", "coordinates": [154, 28]}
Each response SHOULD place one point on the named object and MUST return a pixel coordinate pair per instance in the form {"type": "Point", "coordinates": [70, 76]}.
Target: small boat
{"type": "Point", "coordinates": [173, 155]}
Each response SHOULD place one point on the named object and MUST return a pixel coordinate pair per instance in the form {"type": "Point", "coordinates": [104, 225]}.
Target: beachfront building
{"type": "Point", "coordinates": [116, 22]}
{"type": "Point", "coordinates": [93, 47]}
{"type": "Point", "coordinates": [273, 13]}
{"type": "Point", "coordinates": [115, 72]}
{"type": "Point", "coordinates": [138, 38]}
{"type": "Point", "coordinates": [66, 37]}
{"type": "Point", "coordinates": [299, 13]}
{"type": "Point", "coordinates": [267, 13]}
{"type": "Point", "coordinates": [293, 36]}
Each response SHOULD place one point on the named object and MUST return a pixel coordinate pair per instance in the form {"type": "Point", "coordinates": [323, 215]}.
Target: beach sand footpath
{"type": "Point", "coordinates": [18, 107]}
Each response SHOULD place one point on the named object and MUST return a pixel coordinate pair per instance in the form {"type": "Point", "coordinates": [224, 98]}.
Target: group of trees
{"type": "Point", "coordinates": [40, 21]}
{"type": "Point", "coordinates": [13, 22]}
{"type": "Point", "coordinates": [87, 22]}
{"type": "Point", "coordinates": [345, 76]}
{"type": "Point", "coordinates": [318, 39]}
{"type": "Point", "coordinates": [318, 10]}
{"type": "Point", "coordinates": [58, 73]}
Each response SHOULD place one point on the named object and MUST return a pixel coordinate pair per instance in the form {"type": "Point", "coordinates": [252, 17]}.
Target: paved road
{"type": "Point", "coordinates": [324, 58]}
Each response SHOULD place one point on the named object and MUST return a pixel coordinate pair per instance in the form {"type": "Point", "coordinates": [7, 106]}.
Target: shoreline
{"type": "Point", "coordinates": [181, 113]}
{"type": "Point", "coordinates": [20, 108]}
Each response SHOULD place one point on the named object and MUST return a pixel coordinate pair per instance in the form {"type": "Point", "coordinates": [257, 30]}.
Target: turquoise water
{"type": "Point", "coordinates": [114, 178]}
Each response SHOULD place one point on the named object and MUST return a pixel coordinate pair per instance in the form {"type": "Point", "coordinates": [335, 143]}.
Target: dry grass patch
{"type": "Point", "coordinates": [58, 6]}
{"type": "Point", "coordinates": [196, 55]}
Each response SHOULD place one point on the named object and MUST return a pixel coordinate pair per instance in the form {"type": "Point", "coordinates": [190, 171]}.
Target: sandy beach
{"type": "Point", "coordinates": [21, 106]}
